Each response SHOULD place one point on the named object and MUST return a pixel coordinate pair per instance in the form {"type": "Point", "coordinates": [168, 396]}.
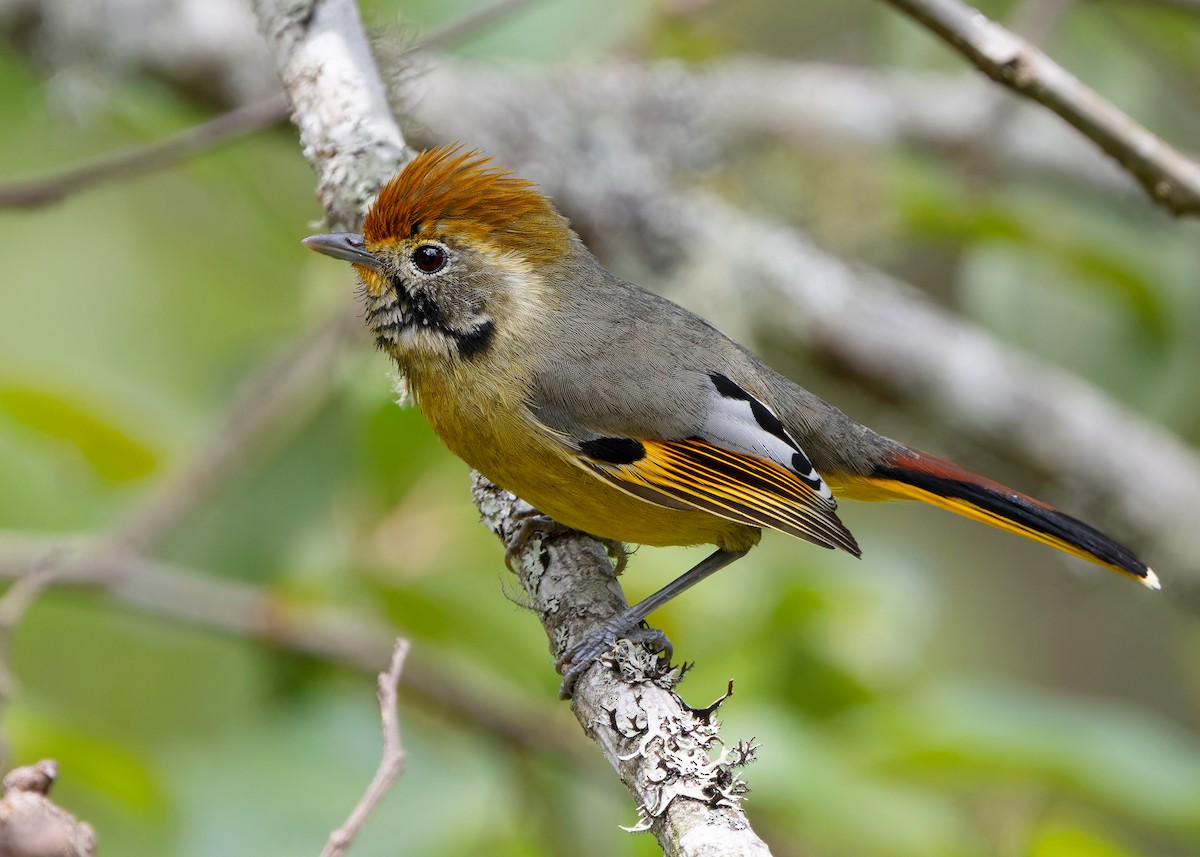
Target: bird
{"type": "Point", "coordinates": [616, 412]}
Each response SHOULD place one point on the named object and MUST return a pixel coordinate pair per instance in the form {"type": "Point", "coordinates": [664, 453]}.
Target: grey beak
{"type": "Point", "coordinates": [347, 246]}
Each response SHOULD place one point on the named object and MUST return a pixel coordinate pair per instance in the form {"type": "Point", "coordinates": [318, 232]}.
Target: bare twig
{"type": "Point", "coordinates": [139, 160]}
{"type": "Point", "coordinates": [1167, 175]}
{"type": "Point", "coordinates": [391, 765]}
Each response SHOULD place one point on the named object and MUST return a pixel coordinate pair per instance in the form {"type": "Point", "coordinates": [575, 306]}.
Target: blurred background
{"type": "Point", "coordinates": [190, 416]}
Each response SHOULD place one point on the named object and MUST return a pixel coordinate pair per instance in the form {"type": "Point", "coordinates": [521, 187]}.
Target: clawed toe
{"type": "Point", "coordinates": [531, 523]}
{"type": "Point", "coordinates": [575, 661]}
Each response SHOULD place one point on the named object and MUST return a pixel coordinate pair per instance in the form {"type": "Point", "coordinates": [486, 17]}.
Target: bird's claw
{"type": "Point", "coordinates": [574, 662]}
{"type": "Point", "coordinates": [532, 522]}
{"type": "Point", "coordinates": [529, 524]}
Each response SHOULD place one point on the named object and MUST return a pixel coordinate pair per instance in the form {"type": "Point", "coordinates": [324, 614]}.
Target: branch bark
{"type": "Point", "coordinates": [31, 825]}
{"type": "Point", "coordinates": [661, 748]}
{"type": "Point", "coordinates": [1169, 177]}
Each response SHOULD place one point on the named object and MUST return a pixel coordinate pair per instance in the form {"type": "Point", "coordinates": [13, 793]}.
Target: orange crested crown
{"type": "Point", "coordinates": [453, 193]}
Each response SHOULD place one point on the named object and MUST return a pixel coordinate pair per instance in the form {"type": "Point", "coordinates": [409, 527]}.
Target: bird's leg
{"type": "Point", "coordinates": [628, 623]}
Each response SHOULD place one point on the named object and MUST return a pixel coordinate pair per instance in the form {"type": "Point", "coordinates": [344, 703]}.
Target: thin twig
{"type": "Point", "coordinates": [1169, 177]}
{"type": "Point", "coordinates": [1192, 6]}
{"type": "Point", "coordinates": [391, 765]}
{"type": "Point", "coordinates": [469, 23]}
{"type": "Point", "coordinates": [37, 577]}
{"type": "Point", "coordinates": [139, 160]}
{"type": "Point", "coordinates": [232, 125]}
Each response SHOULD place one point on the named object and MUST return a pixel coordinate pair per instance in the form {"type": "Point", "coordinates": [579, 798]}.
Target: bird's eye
{"type": "Point", "coordinates": [429, 258]}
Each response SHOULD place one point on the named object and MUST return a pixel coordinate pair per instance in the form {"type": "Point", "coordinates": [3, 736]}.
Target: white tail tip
{"type": "Point", "coordinates": [1150, 581]}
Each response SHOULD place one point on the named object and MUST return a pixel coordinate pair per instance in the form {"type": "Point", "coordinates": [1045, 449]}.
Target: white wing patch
{"type": "Point", "coordinates": [738, 421]}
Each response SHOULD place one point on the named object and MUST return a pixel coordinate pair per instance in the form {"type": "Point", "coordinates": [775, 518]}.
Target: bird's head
{"type": "Point", "coordinates": [452, 255]}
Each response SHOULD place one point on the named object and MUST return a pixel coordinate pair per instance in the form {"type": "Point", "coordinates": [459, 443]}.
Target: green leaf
{"type": "Point", "coordinates": [113, 451]}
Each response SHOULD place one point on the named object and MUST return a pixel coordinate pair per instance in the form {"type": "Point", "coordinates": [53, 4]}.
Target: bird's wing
{"type": "Point", "coordinates": [733, 458]}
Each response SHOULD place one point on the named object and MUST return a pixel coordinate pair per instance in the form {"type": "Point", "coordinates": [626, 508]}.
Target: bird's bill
{"type": "Point", "coordinates": [347, 246]}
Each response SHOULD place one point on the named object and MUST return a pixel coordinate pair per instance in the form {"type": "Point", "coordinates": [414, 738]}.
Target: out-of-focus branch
{"type": "Point", "coordinates": [861, 320]}
{"type": "Point", "coordinates": [1192, 6]}
{"type": "Point", "coordinates": [239, 122]}
{"type": "Point", "coordinates": [33, 826]}
{"type": "Point", "coordinates": [138, 160]}
{"type": "Point", "coordinates": [1168, 176]}
{"type": "Point", "coordinates": [207, 48]}
{"type": "Point", "coordinates": [391, 764]}
{"type": "Point", "coordinates": [335, 635]}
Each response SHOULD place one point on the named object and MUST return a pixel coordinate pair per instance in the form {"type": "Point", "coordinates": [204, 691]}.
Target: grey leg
{"type": "Point", "coordinates": [627, 623]}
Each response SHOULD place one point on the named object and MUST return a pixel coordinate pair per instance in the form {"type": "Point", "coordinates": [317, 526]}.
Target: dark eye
{"type": "Point", "coordinates": [429, 258]}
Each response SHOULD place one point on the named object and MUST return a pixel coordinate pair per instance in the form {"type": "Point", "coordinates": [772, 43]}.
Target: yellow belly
{"type": "Point", "coordinates": [488, 430]}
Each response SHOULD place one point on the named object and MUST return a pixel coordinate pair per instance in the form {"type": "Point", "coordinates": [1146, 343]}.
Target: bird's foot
{"type": "Point", "coordinates": [529, 524]}
{"type": "Point", "coordinates": [575, 661]}
{"type": "Point", "coordinates": [618, 552]}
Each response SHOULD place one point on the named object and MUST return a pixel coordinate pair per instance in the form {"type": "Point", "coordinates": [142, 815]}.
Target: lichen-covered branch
{"type": "Point", "coordinates": [338, 102]}
{"type": "Point", "coordinates": [682, 777]}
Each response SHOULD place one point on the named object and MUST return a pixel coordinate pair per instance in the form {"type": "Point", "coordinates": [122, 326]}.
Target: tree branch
{"type": "Point", "coordinates": [338, 102]}
{"type": "Point", "coordinates": [659, 746]}
{"type": "Point", "coordinates": [391, 765]}
{"type": "Point", "coordinates": [31, 825]}
{"type": "Point", "coordinates": [1170, 178]}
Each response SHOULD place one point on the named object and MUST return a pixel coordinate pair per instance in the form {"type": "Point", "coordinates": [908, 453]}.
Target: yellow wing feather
{"type": "Point", "coordinates": [738, 487]}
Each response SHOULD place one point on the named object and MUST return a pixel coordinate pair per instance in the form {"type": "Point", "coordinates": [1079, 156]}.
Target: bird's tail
{"type": "Point", "coordinates": [909, 474]}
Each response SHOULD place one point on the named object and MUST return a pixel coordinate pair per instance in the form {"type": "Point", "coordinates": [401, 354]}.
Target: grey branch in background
{"type": "Point", "coordinates": [1168, 176]}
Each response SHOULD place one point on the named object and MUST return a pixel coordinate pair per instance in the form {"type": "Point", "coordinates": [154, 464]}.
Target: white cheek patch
{"type": "Point", "coordinates": [740, 422]}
